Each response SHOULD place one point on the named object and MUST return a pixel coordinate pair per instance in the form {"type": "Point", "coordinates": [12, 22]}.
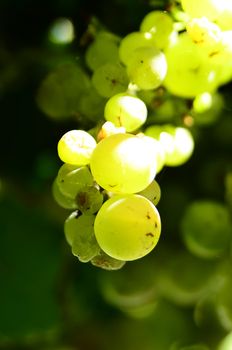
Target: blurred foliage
{"type": "Point", "coordinates": [48, 300]}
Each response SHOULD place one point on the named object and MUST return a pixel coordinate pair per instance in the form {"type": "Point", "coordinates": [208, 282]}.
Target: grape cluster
{"type": "Point", "coordinates": [136, 88]}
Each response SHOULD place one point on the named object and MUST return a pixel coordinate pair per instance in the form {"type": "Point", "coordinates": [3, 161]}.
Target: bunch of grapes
{"type": "Point", "coordinates": [145, 93]}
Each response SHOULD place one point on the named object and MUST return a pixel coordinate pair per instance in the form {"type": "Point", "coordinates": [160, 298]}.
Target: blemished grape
{"type": "Point", "coordinates": [64, 201]}
{"type": "Point", "coordinates": [160, 25]}
{"type": "Point", "coordinates": [131, 42]}
{"type": "Point", "coordinates": [110, 79]}
{"type": "Point", "coordinates": [71, 179]}
{"type": "Point", "coordinates": [190, 71]}
{"type": "Point", "coordinates": [89, 199]}
{"type": "Point", "coordinates": [123, 163]}
{"type": "Point", "coordinates": [152, 192]}
{"type": "Point", "coordinates": [126, 110]}
{"type": "Point", "coordinates": [206, 229]}
{"type": "Point", "coordinates": [127, 227]}
{"type": "Point", "coordinates": [104, 49]}
{"type": "Point", "coordinates": [79, 233]}
{"type": "Point", "coordinates": [75, 147]}
{"type": "Point", "coordinates": [147, 67]}
{"type": "Point", "coordinates": [177, 142]}
{"type": "Point", "coordinates": [106, 262]}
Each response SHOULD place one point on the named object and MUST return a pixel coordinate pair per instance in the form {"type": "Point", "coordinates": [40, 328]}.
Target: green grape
{"type": "Point", "coordinates": [177, 142]}
{"type": "Point", "coordinates": [79, 233]}
{"type": "Point", "coordinates": [89, 199]}
{"type": "Point", "coordinates": [207, 108]}
{"type": "Point", "coordinates": [71, 179]}
{"type": "Point", "coordinates": [160, 156]}
{"type": "Point", "coordinates": [91, 104]}
{"type": "Point", "coordinates": [123, 163]}
{"type": "Point", "coordinates": [226, 342]}
{"type": "Point", "coordinates": [75, 147]}
{"type": "Point", "coordinates": [202, 8]}
{"type": "Point", "coordinates": [160, 25]}
{"type": "Point", "coordinates": [131, 42]}
{"type": "Point", "coordinates": [152, 192]}
{"type": "Point", "coordinates": [126, 110]}
{"type": "Point", "coordinates": [59, 93]}
{"type": "Point", "coordinates": [110, 79]}
{"type": "Point", "coordinates": [127, 227]}
{"type": "Point", "coordinates": [197, 277]}
{"type": "Point", "coordinates": [224, 19]}
{"type": "Point", "coordinates": [64, 201]}
{"type": "Point", "coordinates": [206, 229]}
{"type": "Point", "coordinates": [104, 49]}
{"type": "Point", "coordinates": [205, 33]}
{"type": "Point", "coordinates": [147, 67]}
{"type": "Point", "coordinates": [195, 347]}
{"type": "Point", "coordinates": [190, 72]}
{"type": "Point", "coordinates": [228, 189]}
{"type": "Point", "coordinates": [106, 262]}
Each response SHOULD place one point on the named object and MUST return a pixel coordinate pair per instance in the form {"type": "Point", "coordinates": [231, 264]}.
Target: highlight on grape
{"type": "Point", "coordinates": [147, 95]}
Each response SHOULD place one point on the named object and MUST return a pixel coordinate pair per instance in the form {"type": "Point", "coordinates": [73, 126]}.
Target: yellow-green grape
{"type": "Point", "coordinates": [177, 142]}
{"type": "Point", "coordinates": [76, 147]}
{"type": "Point", "coordinates": [224, 302]}
{"type": "Point", "coordinates": [205, 33]}
{"type": "Point", "coordinates": [126, 110]}
{"type": "Point", "coordinates": [160, 155]}
{"type": "Point", "coordinates": [71, 179]}
{"type": "Point", "coordinates": [147, 67]}
{"type": "Point", "coordinates": [131, 42]}
{"type": "Point", "coordinates": [226, 342]}
{"type": "Point", "coordinates": [190, 72]}
{"type": "Point", "coordinates": [106, 262]}
{"type": "Point", "coordinates": [228, 189]}
{"type": "Point", "coordinates": [194, 347]}
{"type": "Point", "coordinates": [207, 108]}
{"type": "Point", "coordinates": [152, 192]}
{"type": "Point", "coordinates": [91, 104]}
{"type": "Point", "coordinates": [123, 163]}
{"type": "Point", "coordinates": [202, 8]}
{"type": "Point", "coordinates": [127, 227]}
{"type": "Point", "coordinates": [110, 79]}
{"type": "Point", "coordinates": [108, 128]}
{"type": "Point", "coordinates": [224, 19]}
{"type": "Point", "coordinates": [160, 25]}
{"type": "Point", "coordinates": [222, 55]}
{"type": "Point", "coordinates": [79, 233]}
{"type": "Point", "coordinates": [89, 199]}
{"type": "Point", "coordinates": [206, 229]}
{"type": "Point", "coordinates": [64, 201]}
{"type": "Point", "coordinates": [104, 49]}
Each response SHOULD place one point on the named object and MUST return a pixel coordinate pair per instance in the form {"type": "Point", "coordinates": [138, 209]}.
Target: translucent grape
{"type": "Point", "coordinates": [79, 233]}
{"type": "Point", "coordinates": [160, 155]}
{"type": "Point", "coordinates": [160, 25]}
{"type": "Point", "coordinates": [64, 201]}
{"type": "Point", "coordinates": [110, 79]}
{"type": "Point", "coordinates": [207, 108]}
{"type": "Point", "coordinates": [59, 93]}
{"type": "Point", "coordinates": [123, 163]}
{"type": "Point", "coordinates": [75, 147]}
{"type": "Point", "coordinates": [71, 179]}
{"type": "Point", "coordinates": [206, 229]}
{"type": "Point", "coordinates": [91, 104]}
{"type": "Point", "coordinates": [127, 227]}
{"type": "Point", "coordinates": [189, 70]}
{"type": "Point", "coordinates": [201, 8]}
{"type": "Point", "coordinates": [177, 142]}
{"type": "Point", "coordinates": [108, 128]}
{"type": "Point", "coordinates": [147, 67]}
{"type": "Point", "coordinates": [126, 110]}
{"type": "Point", "coordinates": [106, 262]}
{"type": "Point", "coordinates": [61, 31]}
{"type": "Point", "coordinates": [131, 42]}
{"type": "Point", "coordinates": [104, 49]}
{"type": "Point", "coordinates": [152, 192]}
{"type": "Point", "coordinates": [89, 199]}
